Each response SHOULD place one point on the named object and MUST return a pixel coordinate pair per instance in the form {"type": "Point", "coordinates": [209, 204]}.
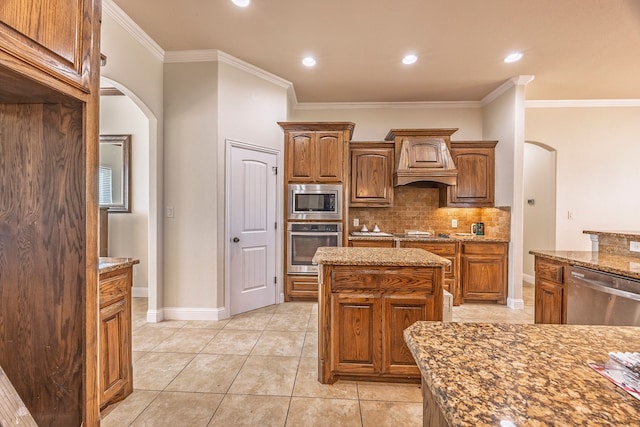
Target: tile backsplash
{"type": "Point", "coordinates": [416, 208]}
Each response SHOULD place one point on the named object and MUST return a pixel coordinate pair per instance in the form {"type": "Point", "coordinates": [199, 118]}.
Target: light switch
{"type": "Point", "coordinates": [169, 211]}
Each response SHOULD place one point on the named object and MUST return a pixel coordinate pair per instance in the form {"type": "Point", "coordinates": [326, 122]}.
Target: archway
{"type": "Point", "coordinates": [154, 294]}
{"type": "Point", "coordinates": [539, 222]}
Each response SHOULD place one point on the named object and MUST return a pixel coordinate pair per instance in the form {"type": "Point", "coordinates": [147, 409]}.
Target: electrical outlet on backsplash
{"type": "Point", "coordinates": [417, 209]}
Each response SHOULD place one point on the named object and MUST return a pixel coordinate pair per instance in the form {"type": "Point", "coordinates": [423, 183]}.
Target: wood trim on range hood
{"type": "Point", "coordinates": [422, 155]}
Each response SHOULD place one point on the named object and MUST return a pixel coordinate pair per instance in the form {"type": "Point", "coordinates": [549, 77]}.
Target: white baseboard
{"type": "Point", "coordinates": [180, 313]}
{"type": "Point", "coordinates": [528, 278]}
{"type": "Point", "coordinates": [155, 316]}
{"type": "Point", "coordinates": [515, 303]}
{"type": "Point", "coordinates": [140, 292]}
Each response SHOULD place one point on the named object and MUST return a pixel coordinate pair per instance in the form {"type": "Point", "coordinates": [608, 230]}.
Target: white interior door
{"type": "Point", "coordinates": [252, 229]}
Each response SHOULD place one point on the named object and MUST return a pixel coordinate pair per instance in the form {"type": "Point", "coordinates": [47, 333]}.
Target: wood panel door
{"type": "Point", "coordinates": [371, 175]}
{"type": "Point", "coordinates": [548, 302]}
{"type": "Point", "coordinates": [475, 161]}
{"type": "Point", "coordinates": [55, 38]}
{"type": "Point", "coordinates": [355, 333]}
{"type": "Point", "coordinates": [398, 313]}
{"type": "Point", "coordinates": [301, 156]}
{"type": "Point", "coordinates": [329, 156]}
{"type": "Point", "coordinates": [484, 271]}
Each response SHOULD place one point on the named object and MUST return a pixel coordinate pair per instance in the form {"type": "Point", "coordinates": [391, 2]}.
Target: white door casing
{"type": "Point", "coordinates": [252, 217]}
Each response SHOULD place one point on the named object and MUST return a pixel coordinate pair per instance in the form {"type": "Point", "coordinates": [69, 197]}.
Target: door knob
{"type": "Point", "coordinates": [236, 240]}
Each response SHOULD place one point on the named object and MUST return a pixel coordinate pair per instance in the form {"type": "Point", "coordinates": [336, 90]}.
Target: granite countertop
{"type": "Point", "coordinates": [378, 256]}
{"type": "Point", "coordinates": [613, 233]}
{"type": "Point", "coordinates": [467, 237]}
{"type": "Point", "coordinates": [600, 261]}
{"type": "Point", "coordinates": [107, 264]}
{"type": "Point", "coordinates": [524, 375]}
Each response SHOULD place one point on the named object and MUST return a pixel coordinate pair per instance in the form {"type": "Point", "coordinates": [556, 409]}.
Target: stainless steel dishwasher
{"type": "Point", "coordinates": [597, 298]}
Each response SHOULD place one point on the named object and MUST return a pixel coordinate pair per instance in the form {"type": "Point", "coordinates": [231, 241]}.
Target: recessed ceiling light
{"type": "Point", "coordinates": [241, 3]}
{"type": "Point", "coordinates": [513, 57]}
{"type": "Point", "coordinates": [309, 61]}
{"type": "Point", "coordinates": [409, 59]}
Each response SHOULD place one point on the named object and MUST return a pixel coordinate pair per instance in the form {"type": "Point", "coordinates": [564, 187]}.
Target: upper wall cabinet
{"type": "Point", "coordinates": [371, 174]}
{"type": "Point", "coordinates": [55, 38]}
{"type": "Point", "coordinates": [475, 161]}
{"type": "Point", "coordinates": [315, 152]}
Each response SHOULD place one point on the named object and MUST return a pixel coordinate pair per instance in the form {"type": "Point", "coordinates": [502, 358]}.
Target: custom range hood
{"type": "Point", "coordinates": [422, 155]}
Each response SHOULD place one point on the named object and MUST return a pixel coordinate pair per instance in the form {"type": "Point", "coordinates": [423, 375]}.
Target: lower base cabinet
{"type": "Point", "coordinates": [115, 358]}
{"type": "Point", "coordinates": [550, 291]}
{"type": "Point", "coordinates": [484, 268]}
{"type": "Point", "coordinates": [301, 288]}
{"type": "Point", "coordinates": [363, 313]}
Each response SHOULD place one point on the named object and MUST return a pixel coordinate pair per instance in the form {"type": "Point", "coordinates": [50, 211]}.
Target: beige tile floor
{"type": "Point", "coordinates": [260, 369]}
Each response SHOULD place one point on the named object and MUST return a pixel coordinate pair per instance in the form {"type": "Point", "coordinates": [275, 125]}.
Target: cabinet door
{"type": "Point", "coordinates": [301, 147]}
{"type": "Point", "coordinates": [329, 156]}
{"type": "Point", "coordinates": [548, 302]}
{"type": "Point", "coordinates": [388, 243]}
{"type": "Point", "coordinates": [355, 333]}
{"type": "Point", "coordinates": [484, 271]}
{"type": "Point", "coordinates": [398, 313]}
{"type": "Point", "coordinates": [114, 360]}
{"type": "Point", "coordinates": [55, 38]}
{"type": "Point", "coordinates": [372, 177]}
{"type": "Point", "coordinates": [475, 186]}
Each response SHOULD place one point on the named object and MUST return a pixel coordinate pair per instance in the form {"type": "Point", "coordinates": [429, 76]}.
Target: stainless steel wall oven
{"type": "Point", "coordinates": [304, 238]}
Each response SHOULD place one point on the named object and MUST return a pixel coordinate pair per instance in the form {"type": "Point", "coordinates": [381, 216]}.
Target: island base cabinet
{"type": "Point", "coordinates": [361, 322]}
{"type": "Point", "coordinates": [432, 414]}
{"type": "Point", "coordinates": [116, 370]}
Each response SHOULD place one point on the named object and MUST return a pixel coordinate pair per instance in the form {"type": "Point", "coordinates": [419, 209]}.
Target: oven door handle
{"type": "Point", "coordinates": [313, 233]}
{"type": "Point", "coordinates": [598, 286]}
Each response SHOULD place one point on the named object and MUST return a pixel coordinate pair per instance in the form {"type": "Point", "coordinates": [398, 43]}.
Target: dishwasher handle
{"type": "Point", "coordinates": [599, 286]}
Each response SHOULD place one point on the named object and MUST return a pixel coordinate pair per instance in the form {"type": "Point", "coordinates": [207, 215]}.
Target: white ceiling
{"type": "Point", "coordinates": [576, 49]}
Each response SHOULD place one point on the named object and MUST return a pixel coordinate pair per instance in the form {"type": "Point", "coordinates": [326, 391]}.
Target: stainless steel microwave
{"type": "Point", "coordinates": [315, 201]}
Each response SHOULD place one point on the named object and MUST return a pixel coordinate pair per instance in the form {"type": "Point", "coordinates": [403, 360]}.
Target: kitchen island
{"type": "Point", "coordinates": [367, 297]}
{"type": "Point", "coordinates": [477, 374]}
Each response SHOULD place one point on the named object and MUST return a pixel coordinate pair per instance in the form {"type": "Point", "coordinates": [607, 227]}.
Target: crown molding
{"type": "Point", "coordinates": [252, 69]}
{"type": "Point", "coordinates": [132, 28]}
{"type": "Point", "coordinates": [388, 105]}
{"type": "Point", "coordinates": [512, 82]}
{"type": "Point", "coordinates": [205, 55]}
{"type": "Point", "coordinates": [582, 103]}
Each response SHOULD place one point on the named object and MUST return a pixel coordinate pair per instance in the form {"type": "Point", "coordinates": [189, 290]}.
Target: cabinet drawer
{"type": "Point", "coordinates": [383, 278]}
{"type": "Point", "coordinates": [113, 286]}
{"type": "Point", "coordinates": [484, 248]}
{"type": "Point", "coordinates": [441, 249]}
{"type": "Point", "coordinates": [548, 270]}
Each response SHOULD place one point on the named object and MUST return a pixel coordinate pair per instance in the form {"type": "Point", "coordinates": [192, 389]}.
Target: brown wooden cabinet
{"type": "Point", "coordinates": [475, 161]}
{"type": "Point", "coordinates": [550, 291]}
{"type": "Point", "coordinates": [115, 361]}
{"type": "Point", "coordinates": [450, 251]}
{"type": "Point", "coordinates": [363, 313]}
{"type": "Point", "coordinates": [301, 288]}
{"type": "Point", "coordinates": [371, 174]}
{"type": "Point", "coordinates": [316, 151]}
{"type": "Point", "coordinates": [382, 243]}
{"type": "Point", "coordinates": [49, 96]}
{"type": "Point", "coordinates": [484, 268]}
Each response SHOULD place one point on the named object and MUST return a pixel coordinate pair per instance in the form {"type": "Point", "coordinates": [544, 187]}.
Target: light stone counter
{"type": "Point", "coordinates": [378, 257]}
{"type": "Point", "coordinates": [601, 261]}
{"type": "Point", "coordinates": [477, 374]}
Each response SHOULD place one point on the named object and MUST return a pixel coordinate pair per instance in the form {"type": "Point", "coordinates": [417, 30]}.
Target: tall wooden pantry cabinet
{"type": "Point", "coordinates": [49, 78]}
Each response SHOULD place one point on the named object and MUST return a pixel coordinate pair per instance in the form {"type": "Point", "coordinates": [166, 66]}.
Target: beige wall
{"type": "Point", "coordinates": [190, 185]}
{"type": "Point", "coordinates": [128, 232]}
{"type": "Point", "coordinates": [373, 124]}
{"type": "Point", "coordinates": [597, 168]}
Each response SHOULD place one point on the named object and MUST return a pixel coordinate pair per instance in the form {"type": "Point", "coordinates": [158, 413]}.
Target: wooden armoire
{"type": "Point", "coordinates": [49, 98]}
